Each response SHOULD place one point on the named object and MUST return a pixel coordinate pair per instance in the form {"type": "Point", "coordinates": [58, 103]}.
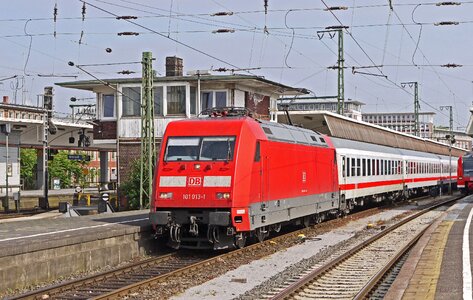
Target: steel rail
{"type": "Point", "coordinates": [294, 287]}
{"type": "Point", "coordinates": [70, 285]}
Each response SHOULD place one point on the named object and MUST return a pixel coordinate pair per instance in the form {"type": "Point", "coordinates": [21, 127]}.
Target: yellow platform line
{"type": "Point", "coordinates": [423, 283]}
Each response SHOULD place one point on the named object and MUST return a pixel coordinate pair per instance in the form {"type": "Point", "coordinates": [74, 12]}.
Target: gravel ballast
{"type": "Point", "coordinates": [237, 282]}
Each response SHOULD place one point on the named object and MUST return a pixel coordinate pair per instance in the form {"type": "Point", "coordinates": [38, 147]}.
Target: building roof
{"type": "Point", "coordinates": [397, 113]}
{"type": "Point", "coordinates": [256, 82]}
{"type": "Point", "coordinates": [313, 99]}
{"type": "Point", "coordinates": [347, 128]}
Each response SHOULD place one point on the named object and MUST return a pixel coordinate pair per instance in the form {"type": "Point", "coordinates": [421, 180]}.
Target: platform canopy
{"type": "Point", "coordinates": [26, 124]}
{"type": "Point", "coordinates": [339, 126]}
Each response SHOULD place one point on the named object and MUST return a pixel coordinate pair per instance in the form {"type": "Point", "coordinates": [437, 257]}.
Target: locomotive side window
{"type": "Point", "coordinates": [257, 152]}
{"type": "Point", "coordinates": [182, 148]}
{"type": "Point", "coordinates": [217, 148]}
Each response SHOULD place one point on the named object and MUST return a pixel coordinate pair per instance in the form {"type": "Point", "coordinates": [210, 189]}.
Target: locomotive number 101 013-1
{"type": "Point", "coordinates": [193, 196]}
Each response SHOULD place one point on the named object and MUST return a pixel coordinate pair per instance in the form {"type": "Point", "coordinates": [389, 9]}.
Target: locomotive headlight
{"type": "Point", "coordinates": [223, 196]}
{"type": "Point", "coordinates": [165, 195]}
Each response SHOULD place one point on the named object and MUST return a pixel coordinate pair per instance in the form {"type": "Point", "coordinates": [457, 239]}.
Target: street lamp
{"type": "Point", "coordinates": [198, 73]}
{"type": "Point", "coordinates": [6, 129]}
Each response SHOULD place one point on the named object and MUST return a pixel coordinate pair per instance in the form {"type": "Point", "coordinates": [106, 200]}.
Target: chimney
{"type": "Point", "coordinates": [5, 99]}
{"type": "Point", "coordinates": [173, 66]}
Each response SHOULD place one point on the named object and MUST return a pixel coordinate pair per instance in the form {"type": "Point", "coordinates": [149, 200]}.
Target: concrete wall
{"type": "Point", "coordinates": [30, 268]}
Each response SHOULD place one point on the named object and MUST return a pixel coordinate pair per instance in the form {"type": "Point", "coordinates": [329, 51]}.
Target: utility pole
{"type": "Point", "coordinates": [416, 105]}
{"type": "Point", "coordinates": [148, 147]}
{"type": "Point", "coordinates": [331, 30]}
{"type": "Point", "coordinates": [341, 77]}
{"type": "Point", "coordinates": [47, 116]}
{"type": "Point", "coordinates": [451, 140]}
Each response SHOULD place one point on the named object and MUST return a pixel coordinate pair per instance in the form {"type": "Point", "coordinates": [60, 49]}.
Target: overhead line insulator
{"type": "Point", "coordinates": [446, 23]}
{"type": "Point", "coordinates": [222, 13]}
{"type": "Point", "coordinates": [127, 18]}
{"type": "Point", "coordinates": [224, 30]}
{"type": "Point", "coordinates": [336, 8]}
{"type": "Point", "coordinates": [128, 33]}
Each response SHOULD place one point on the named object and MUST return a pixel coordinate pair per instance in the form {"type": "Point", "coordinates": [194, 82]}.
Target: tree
{"type": "Point", "coordinates": [70, 172]}
{"type": "Point", "coordinates": [131, 187]}
{"type": "Point", "coordinates": [28, 158]}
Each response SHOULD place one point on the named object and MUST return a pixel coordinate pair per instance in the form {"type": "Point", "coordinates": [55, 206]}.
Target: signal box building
{"type": "Point", "coordinates": [117, 126]}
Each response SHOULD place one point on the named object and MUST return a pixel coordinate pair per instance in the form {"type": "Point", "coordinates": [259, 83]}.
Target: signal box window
{"type": "Point", "coordinates": [131, 100]}
{"type": "Point", "coordinates": [211, 99]}
{"type": "Point", "coordinates": [176, 100]}
{"type": "Point", "coordinates": [200, 148]}
{"type": "Point", "coordinates": [158, 100]}
{"type": "Point", "coordinates": [108, 106]}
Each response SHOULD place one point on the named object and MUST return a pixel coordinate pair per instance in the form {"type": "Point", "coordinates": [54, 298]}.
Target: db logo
{"type": "Point", "coordinates": [194, 181]}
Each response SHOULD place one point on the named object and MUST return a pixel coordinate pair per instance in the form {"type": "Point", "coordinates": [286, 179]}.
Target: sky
{"type": "Point", "coordinates": [282, 42]}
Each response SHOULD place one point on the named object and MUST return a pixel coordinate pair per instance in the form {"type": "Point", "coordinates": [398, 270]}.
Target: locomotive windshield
{"type": "Point", "coordinates": [199, 148]}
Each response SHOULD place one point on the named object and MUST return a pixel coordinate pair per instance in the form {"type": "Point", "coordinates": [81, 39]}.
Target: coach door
{"type": "Point", "coordinates": [342, 179]}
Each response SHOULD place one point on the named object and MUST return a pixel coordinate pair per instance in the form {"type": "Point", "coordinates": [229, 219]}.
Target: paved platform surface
{"type": "Point", "coordinates": [439, 266]}
{"type": "Point", "coordinates": [52, 230]}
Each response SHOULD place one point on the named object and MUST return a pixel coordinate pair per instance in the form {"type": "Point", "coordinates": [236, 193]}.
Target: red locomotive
{"type": "Point", "coordinates": [220, 180]}
{"type": "Point", "coordinates": [225, 178]}
{"type": "Point", "coordinates": [465, 173]}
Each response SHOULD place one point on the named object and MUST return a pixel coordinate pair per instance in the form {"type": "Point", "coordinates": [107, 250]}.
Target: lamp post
{"type": "Point", "coordinates": [450, 139]}
{"type": "Point", "coordinates": [6, 129]}
{"type": "Point", "coordinates": [198, 73]}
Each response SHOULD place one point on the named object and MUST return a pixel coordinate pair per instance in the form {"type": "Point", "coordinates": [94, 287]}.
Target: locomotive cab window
{"type": "Point", "coordinates": [217, 148]}
{"type": "Point", "coordinates": [199, 148]}
{"type": "Point", "coordinates": [182, 148]}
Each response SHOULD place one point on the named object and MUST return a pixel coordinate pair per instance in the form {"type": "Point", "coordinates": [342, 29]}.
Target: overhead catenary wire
{"type": "Point", "coordinates": [156, 32]}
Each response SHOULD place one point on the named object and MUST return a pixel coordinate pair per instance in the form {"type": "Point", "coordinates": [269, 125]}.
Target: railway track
{"type": "Point", "coordinates": [126, 280]}
{"type": "Point", "coordinates": [99, 284]}
{"type": "Point", "coordinates": [357, 273]}
{"type": "Point", "coordinates": [119, 283]}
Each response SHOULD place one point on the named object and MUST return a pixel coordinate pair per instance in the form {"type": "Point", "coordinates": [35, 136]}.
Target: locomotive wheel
{"type": "Point", "coordinates": [306, 221]}
{"type": "Point", "coordinates": [240, 240]}
{"type": "Point", "coordinates": [261, 233]}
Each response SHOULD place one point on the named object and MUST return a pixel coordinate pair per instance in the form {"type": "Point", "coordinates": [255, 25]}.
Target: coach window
{"type": "Point", "coordinates": [343, 167]}
{"type": "Point", "coordinates": [353, 166]}
{"type": "Point", "coordinates": [364, 166]}
{"type": "Point", "coordinates": [381, 172]}
{"type": "Point", "coordinates": [358, 167]}
{"type": "Point", "coordinates": [377, 167]}
{"type": "Point", "coordinates": [369, 166]}
{"type": "Point", "coordinates": [348, 167]}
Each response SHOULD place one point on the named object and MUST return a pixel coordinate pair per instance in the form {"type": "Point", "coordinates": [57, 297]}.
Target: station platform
{"type": "Point", "coordinates": [32, 248]}
{"type": "Point", "coordinates": [439, 266]}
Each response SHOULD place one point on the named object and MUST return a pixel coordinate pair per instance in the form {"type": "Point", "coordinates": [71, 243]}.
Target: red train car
{"type": "Point", "coordinates": [465, 173]}
{"type": "Point", "coordinates": [220, 180]}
